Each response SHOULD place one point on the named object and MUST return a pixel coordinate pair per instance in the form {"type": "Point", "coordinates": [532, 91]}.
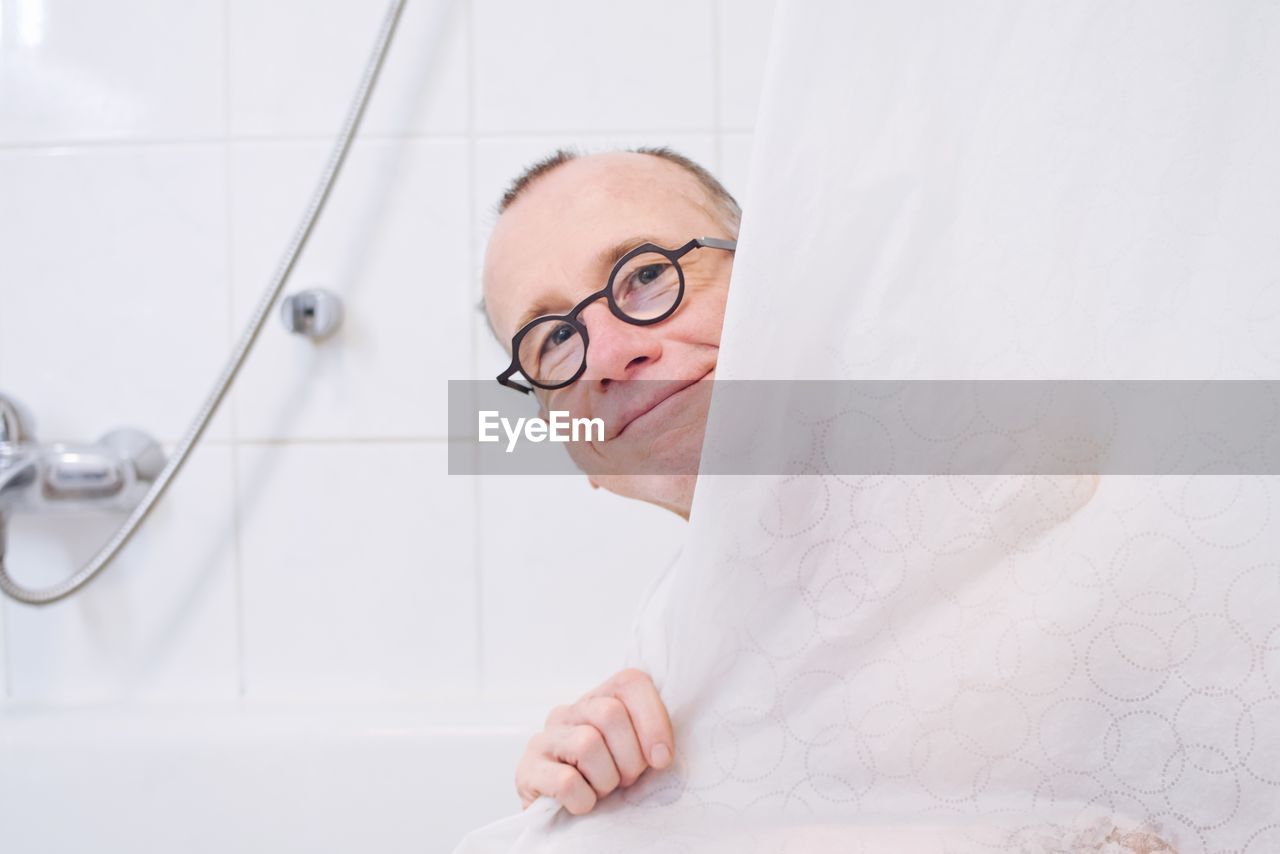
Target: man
{"type": "Point", "coordinates": [565, 225]}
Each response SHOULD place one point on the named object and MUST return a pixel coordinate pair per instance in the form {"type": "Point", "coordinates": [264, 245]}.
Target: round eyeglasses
{"type": "Point", "coordinates": [645, 287]}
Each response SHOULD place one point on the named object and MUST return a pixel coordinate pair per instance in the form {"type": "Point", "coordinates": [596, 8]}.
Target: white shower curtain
{"type": "Point", "coordinates": [990, 190]}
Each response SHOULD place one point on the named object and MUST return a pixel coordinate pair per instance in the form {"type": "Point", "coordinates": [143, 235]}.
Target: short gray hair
{"type": "Point", "coordinates": [721, 200]}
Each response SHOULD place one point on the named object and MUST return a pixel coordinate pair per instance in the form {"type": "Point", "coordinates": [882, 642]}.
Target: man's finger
{"type": "Point", "coordinates": [648, 714]}
{"type": "Point", "coordinates": [610, 717]}
{"type": "Point", "coordinates": [583, 746]}
{"type": "Point", "coordinates": [564, 783]}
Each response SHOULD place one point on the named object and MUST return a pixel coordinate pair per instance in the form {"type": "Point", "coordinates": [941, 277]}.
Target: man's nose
{"type": "Point", "coordinates": [616, 349]}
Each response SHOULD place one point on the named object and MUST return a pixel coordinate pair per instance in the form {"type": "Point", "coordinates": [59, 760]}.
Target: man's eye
{"type": "Point", "coordinates": [648, 274]}
{"type": "Point", "coordinates": [562, 333]}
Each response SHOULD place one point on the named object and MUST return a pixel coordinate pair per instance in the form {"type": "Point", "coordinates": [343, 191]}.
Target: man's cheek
{"type": "Point", "coordinates": [591, 458]}
{"type": "Point", "coordinates": [616, 457]}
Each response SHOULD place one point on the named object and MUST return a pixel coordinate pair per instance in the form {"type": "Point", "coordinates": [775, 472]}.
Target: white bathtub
{"type": "Point", "coordinates": [185, 779]}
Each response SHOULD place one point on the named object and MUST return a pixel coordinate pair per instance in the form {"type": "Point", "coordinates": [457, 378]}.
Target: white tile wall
{"type": "Point", "coordinates": [115, 285]}
{"type": "Point", "coordinates": [153, 159]}
{"type": "Point", "coordinates": [393, 242]}
{"type": "Point", "coordinates": [735, 164]}
{"type": "Point", "coordinates": [5, 689]}
{"type": "Point", "coordinates": [356, 562]}
{"type": "Point", "coordinates": [744, 27]}
{"type": "Point", "coordinates": [158, 624]}
{"type": "Point", "coordinates": [129, 70]}
{"type": "Point", "coordinates": [563, 567]}
{"type": "Point", "coordinates": [578, 66]}
{"type": "Point", "coordinates": [294, 65]}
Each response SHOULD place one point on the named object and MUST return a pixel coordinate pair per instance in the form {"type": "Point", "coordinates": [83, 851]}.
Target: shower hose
{"type": "Point", "coordinates": [122, 535]}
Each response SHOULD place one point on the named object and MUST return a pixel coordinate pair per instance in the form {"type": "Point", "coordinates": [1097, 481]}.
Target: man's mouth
{"type": "Point", "coordinates": [645, 407]}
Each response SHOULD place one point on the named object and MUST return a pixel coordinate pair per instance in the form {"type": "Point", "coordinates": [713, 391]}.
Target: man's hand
{"type": "Point", "coordinates": [605, 740]}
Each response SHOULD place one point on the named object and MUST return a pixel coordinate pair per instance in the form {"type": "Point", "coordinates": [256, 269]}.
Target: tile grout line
{"type": "Point", "coordinates": [477, 544]}
{"type": "Point", "coordinates": [6, 659]}
{"type": "Point", "coordinates": [717, 87]}
{"type": "Point", "coordinates": [346, 440]}
{"type": "Point", "coordinates": [233, 441]}
{"type": "Point", "coordinates": [71, 145]}
{"type": "Point", "coordinates": [207, 440]}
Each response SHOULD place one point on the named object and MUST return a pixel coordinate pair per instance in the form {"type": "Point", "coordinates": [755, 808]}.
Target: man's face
{"type": "Point", "coordinates": [555, 245]}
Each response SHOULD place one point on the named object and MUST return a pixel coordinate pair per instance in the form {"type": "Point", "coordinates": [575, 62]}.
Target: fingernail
{"type": "Point", "coordinates": [661, 756]}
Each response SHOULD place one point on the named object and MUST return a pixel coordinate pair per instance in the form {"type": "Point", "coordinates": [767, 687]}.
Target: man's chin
{"type": "Point", "coordinates": [676, 451]}
{"type": "Point", "coordinates": [661, 469]}
{"type": "Point", "coordinates": [658, 462]}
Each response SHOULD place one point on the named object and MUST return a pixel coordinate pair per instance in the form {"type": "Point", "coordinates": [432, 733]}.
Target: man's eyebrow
{"type": "Point", "coordinates": [608, 257]}
{"type": "Point", "coordinates": [538, 309]}
{"type": "Point", "coordinates": [604, 263]}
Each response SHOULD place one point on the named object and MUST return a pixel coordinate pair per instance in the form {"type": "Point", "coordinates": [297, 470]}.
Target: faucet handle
{"type": "Point", "coordinates": [144, 453]}
{"type": "Point", "coordinates": [15, 422]}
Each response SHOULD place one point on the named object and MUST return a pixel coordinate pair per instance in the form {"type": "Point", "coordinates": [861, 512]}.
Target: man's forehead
{"type": "Point", "coordinates": [559, 226]}
{"type": "Point", "coordinates": [589, 197]}
{"type": "Point", "coordinates": [607, 173]}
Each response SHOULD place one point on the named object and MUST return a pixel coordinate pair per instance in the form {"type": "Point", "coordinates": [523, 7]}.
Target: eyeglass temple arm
{"type": "Point", "coordinates": [717, 243]}
{"type": "Point", "coordinates": [505, 379]}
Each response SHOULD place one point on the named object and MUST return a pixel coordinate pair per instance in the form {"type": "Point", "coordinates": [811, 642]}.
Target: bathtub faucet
{"type": "Point", "coordinates": [113, 472]}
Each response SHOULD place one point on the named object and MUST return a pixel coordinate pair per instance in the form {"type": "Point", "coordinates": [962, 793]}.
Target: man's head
{"type": "Point", "coordinates": [563, 225]}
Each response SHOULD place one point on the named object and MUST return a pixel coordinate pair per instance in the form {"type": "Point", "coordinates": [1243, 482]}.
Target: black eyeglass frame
{"type": "Point", "coordinates": [673, 255]}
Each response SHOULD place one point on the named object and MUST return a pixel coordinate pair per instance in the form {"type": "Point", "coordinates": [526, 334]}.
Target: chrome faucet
{"type": "Point", "coordinates": [113, 472]}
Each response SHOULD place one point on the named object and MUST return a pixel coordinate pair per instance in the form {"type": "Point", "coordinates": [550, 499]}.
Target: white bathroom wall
{"type": "Point", "coordinates": [154, 158]}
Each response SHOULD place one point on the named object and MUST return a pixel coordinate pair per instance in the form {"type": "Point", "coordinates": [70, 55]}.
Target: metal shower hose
{"type": "Point", "coordinates": [105, 555]}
